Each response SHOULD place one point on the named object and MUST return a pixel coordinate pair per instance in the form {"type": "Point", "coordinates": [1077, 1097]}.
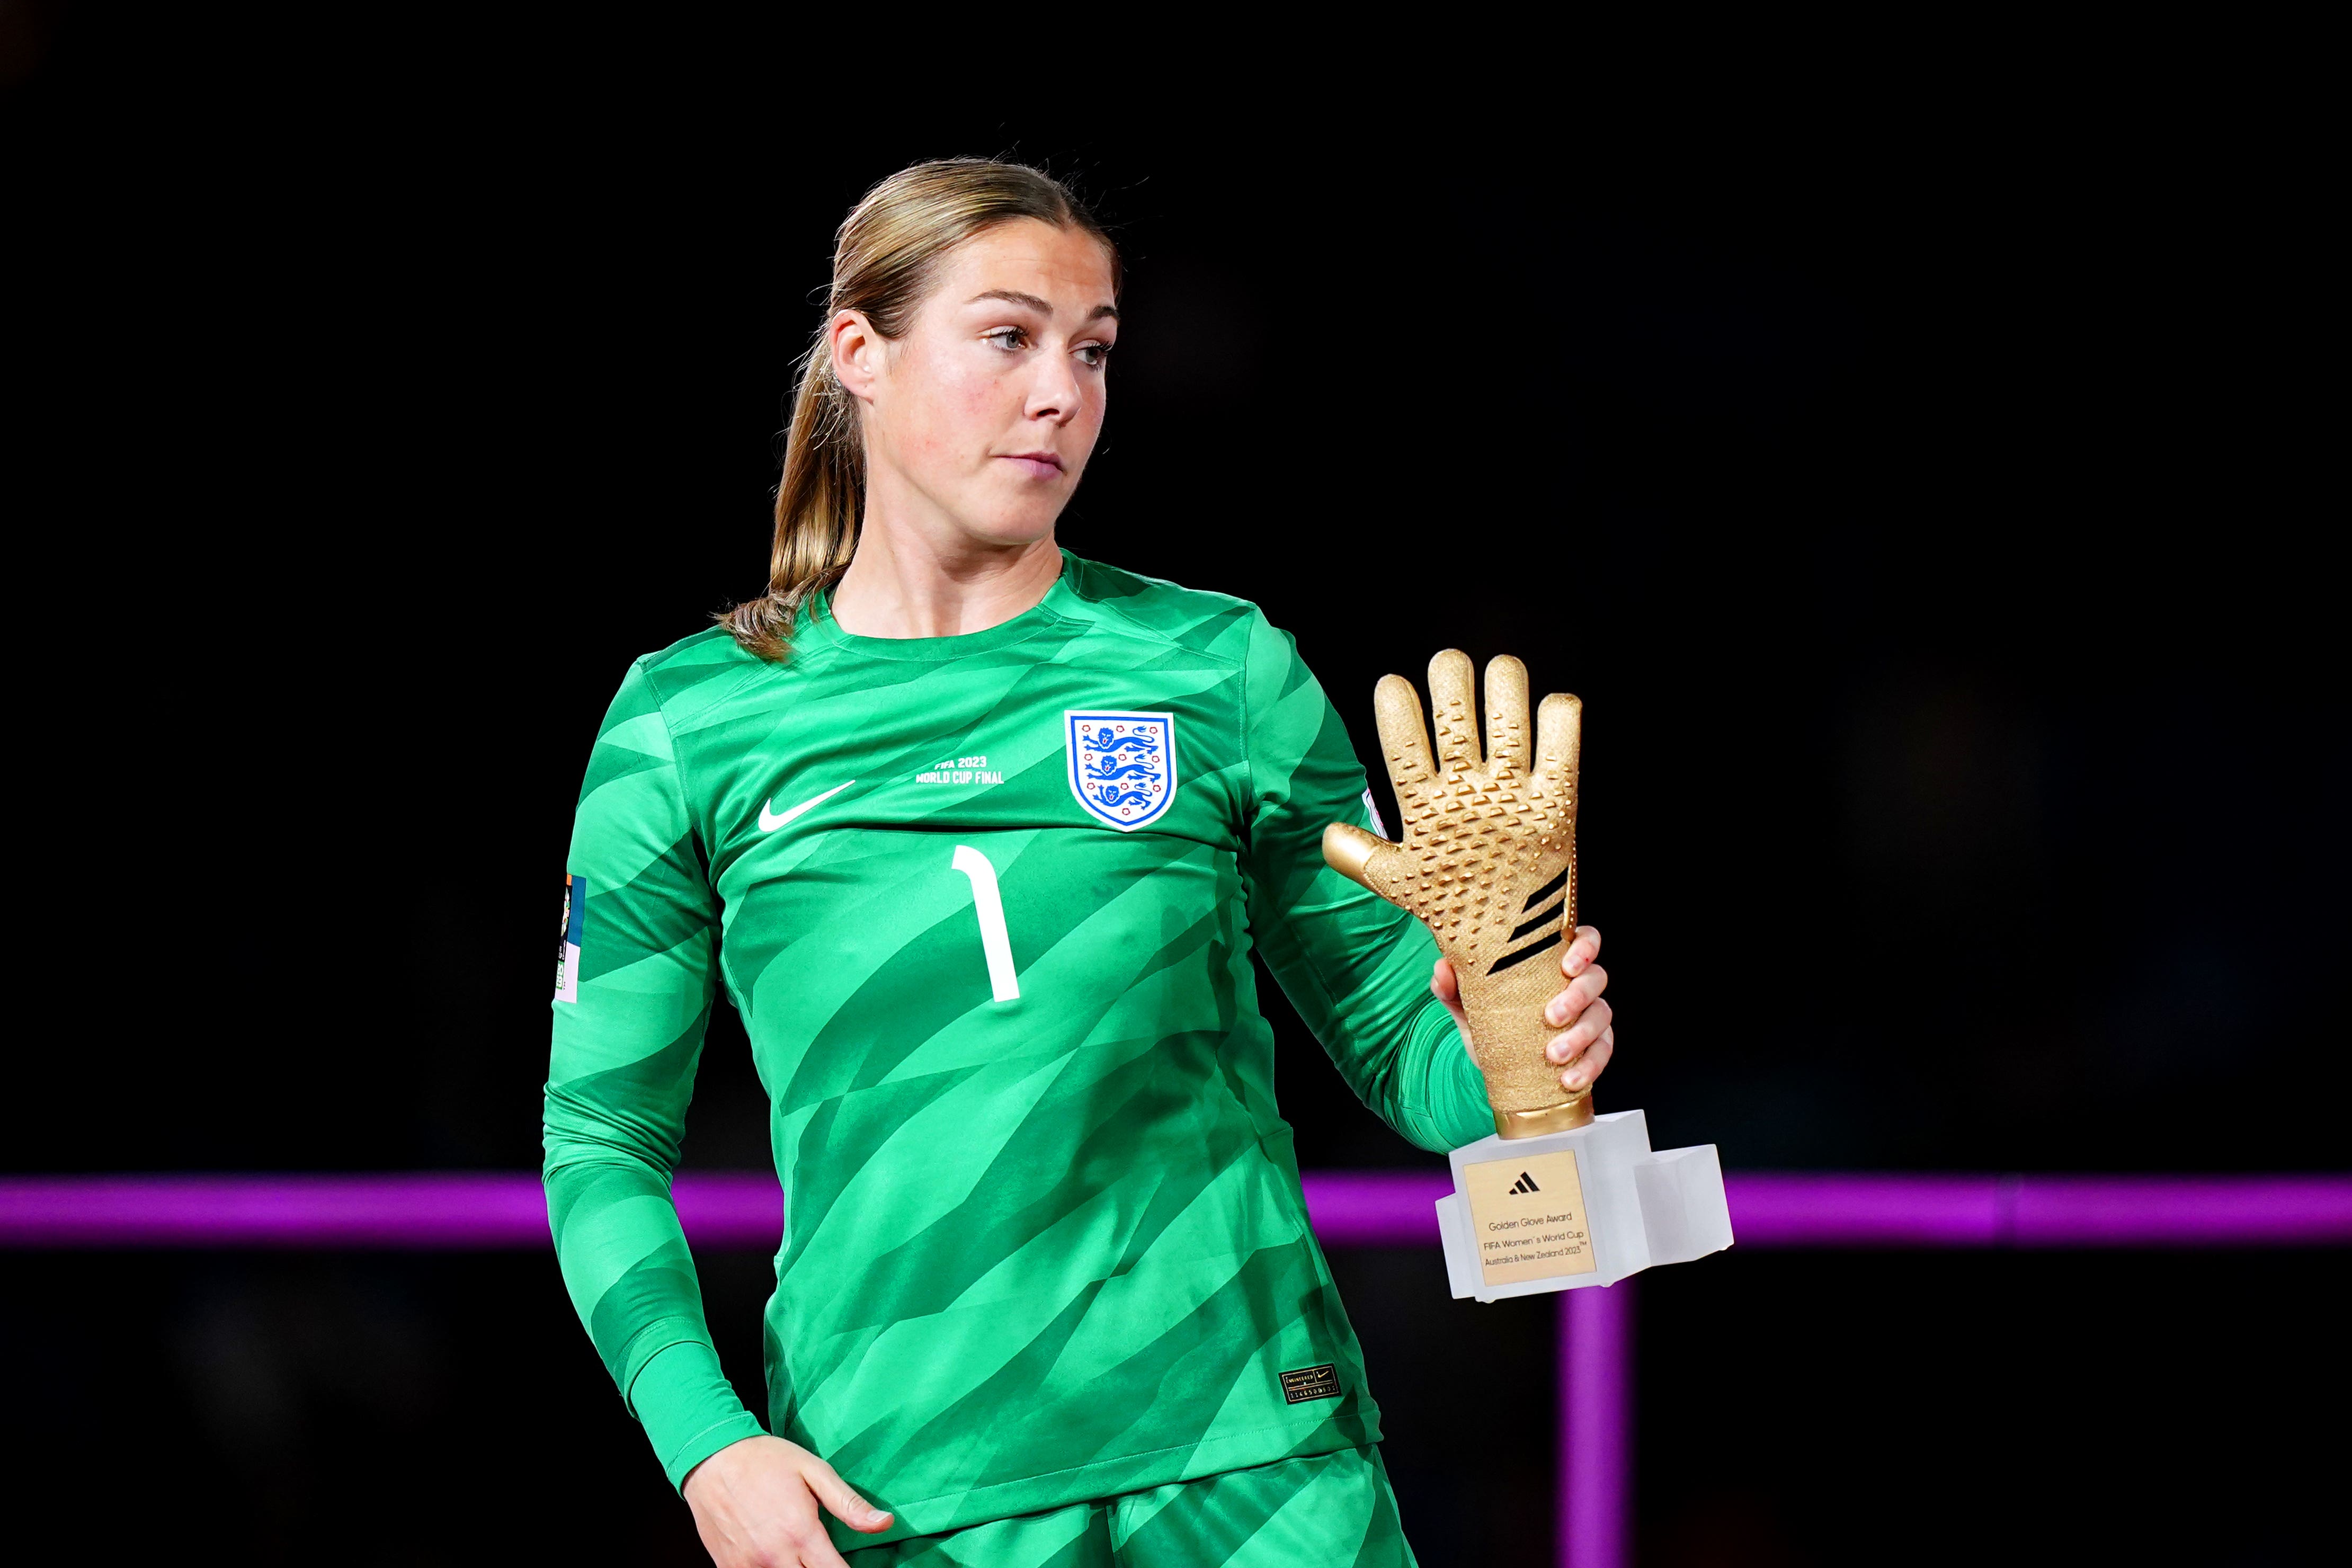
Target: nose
{"type": "Point", "coordinates": [1053, 392]}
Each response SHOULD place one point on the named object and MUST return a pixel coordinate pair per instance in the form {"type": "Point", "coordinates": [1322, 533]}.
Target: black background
{"type": "Point", "coordinates": [1924, 478]}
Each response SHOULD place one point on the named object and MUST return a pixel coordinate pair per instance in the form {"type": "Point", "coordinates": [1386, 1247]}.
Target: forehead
{"type": "Point", "coordinates": [1066, 266]}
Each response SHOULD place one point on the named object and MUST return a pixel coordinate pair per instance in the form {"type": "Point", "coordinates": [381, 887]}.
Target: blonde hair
{"type": "Point", "coordinates": [883, 257]}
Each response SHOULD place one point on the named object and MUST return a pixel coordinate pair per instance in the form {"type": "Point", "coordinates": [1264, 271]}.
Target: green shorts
{"type": "Point", "coordinates": [1325, 1511]}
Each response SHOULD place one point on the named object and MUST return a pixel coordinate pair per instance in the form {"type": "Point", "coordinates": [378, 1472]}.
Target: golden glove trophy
{"type": "Point", "coordinates": [1558, 1197]}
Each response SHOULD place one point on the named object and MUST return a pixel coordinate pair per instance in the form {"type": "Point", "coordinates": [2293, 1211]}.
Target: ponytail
{"type": "Point", "coordinates": [819, 503]}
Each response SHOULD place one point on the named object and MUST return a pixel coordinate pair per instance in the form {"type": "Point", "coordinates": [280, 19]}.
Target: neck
{"type": "Point", "coordinates": [903, 585]}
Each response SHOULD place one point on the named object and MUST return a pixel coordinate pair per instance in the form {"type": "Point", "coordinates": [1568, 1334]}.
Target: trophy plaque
{"type": "Point", "coordinates": [1558, 1197]}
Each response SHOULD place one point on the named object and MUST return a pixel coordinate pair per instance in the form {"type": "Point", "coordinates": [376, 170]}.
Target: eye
{"type": "Point", "coordinates": [1094, 356]}
{"type": "Point", "coordinates": [1012, 340]}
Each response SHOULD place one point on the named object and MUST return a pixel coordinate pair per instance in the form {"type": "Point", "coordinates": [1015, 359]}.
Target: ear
{"type": "Point", "coordinates": [856, 352]}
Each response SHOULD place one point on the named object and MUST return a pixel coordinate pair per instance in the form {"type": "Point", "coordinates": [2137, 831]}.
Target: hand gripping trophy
{"type": "Point", "coordinates": [1558, 1197]}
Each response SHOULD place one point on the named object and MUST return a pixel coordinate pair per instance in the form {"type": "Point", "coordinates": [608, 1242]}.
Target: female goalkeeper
{"type": "Point", "coordinates": [978, 836]}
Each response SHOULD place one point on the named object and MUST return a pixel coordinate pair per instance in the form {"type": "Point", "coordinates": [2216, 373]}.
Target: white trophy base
{"type": "Point", "coordinates": [1586, 1207]}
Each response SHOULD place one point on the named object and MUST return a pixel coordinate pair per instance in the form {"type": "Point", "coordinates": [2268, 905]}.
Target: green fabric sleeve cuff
{"type": "Point", "coordinates": [689, 1409]}
{"type": "Point", "coordinates": [1453, 1094]}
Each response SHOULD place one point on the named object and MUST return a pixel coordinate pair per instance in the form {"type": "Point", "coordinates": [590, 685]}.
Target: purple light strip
{"type": "Point", "coordinates": [1596, 1426]}
{"type": "Point", "coordinates": [439, 1211]}
{"type": "Point", "coordinates": [1834, 1209]}
{"type": "Point", "coordinates": [1798, 1209]}
{"type": "Point", "coordinates": [445, 1210]}
{"type": "Point", "coordinates": [459, 1210]}
{"type": "Point", "coordinates": [2176, 1211]}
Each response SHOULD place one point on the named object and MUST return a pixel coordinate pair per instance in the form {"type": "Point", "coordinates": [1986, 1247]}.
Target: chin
{"type": "Point", "coordinates": [1026, 521]}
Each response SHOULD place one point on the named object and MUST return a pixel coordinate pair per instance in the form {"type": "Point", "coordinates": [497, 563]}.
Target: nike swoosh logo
{"type": "Point", "coordinates": [769, 821]}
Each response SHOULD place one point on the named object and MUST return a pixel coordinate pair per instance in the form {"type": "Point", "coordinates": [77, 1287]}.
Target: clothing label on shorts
{"type": "Point", "coordinates": [1310, 1383]}
{"type": "Point", "coordinates": [1528, 1213]}
{"type": "Point", "coordinates": [567, 946]}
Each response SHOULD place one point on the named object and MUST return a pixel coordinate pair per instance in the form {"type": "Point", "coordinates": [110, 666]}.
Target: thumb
{"type": "Point", "coordinates": [1348, 850]}
{"type": "Point", "coordinates": [836, 1494]}
{"type": "Point", "coordinates": [1447, 987]}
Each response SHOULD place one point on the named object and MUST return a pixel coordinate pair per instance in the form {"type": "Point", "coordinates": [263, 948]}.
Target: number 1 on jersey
{"type": "Point", "coordinates": [990, 907]}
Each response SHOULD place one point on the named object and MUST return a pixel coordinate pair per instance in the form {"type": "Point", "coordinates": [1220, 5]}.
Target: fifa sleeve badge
{"type": "Point", "coordinates": [567, 951]}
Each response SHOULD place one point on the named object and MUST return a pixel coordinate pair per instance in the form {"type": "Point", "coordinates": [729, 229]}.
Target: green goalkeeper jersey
{"type": "Point", "coordinates": [985, 904]}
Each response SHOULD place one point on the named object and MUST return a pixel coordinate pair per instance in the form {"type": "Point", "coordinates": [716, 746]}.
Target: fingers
{"type": "Point", "coordinates": [1451, 702]}
{"type": "Point", "coordinates": [836, 1494]}
{"type": "Point", "coordinates": [1403, 737]}
{"type": "Point", "coordinates": [1589, 1025]}
{"type": "Point", "coordinates": [1559, 736]}
{"type": "Point", "coordinates": [1506, 715]}
{"type": "Point", "coordinates": [1580, 951]}
{"type": "Point", "coordinates": [1348, 850]}
{"type": "Point", "coordinates": [1580, 995]}
{"type": "Point", "coordinates": [1589, 1065]}
{"type": "Point", "coordinates": [816, 1551]}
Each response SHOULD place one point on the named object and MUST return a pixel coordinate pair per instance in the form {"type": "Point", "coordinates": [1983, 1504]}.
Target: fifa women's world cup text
{"type": "Point", "coordinates": [978, 836]}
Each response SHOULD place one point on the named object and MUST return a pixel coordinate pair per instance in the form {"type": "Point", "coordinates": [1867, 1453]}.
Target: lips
{"type": "Point", "coordinates": [1037, 465]}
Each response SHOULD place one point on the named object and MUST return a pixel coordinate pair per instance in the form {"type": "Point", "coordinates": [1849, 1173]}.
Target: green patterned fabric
{"type": "Point", "coordinates": [1326, 1510]}
{"type": "Point", "coordinates": [1044, 1237]}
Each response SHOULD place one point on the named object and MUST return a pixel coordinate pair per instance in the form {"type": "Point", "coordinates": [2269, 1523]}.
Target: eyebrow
{"type": "Point", "coordinates": [1014, 297]}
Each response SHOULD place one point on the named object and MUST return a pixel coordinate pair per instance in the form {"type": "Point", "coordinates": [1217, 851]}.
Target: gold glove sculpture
{"type": "Point", "coordinates": [1488, 863]}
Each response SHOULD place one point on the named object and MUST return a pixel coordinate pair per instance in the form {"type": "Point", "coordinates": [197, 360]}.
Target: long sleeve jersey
{"type": "Point", "coordinates": [986, 904]}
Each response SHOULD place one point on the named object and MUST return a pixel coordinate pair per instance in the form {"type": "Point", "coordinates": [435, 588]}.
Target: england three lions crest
{"type": "Point", "coordinates": [1122, 765]}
